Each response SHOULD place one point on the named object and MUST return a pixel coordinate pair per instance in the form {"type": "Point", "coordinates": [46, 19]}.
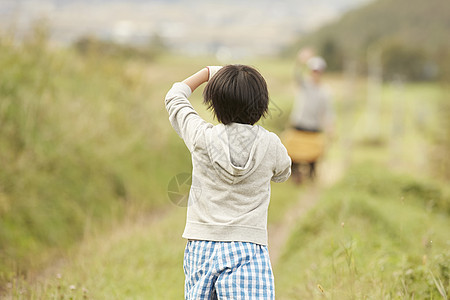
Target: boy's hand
{"type": "Point", "coordinates": [212, 70]}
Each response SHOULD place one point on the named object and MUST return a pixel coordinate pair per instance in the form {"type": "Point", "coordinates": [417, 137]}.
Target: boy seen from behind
{"type": "Point", "coordinates": [226, 255]}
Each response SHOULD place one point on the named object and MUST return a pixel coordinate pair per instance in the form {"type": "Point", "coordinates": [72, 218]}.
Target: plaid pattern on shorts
{"type": "Point", "coordinates": [227, 270]}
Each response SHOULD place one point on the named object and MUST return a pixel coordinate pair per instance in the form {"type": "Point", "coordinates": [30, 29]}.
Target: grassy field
{"type": "Point", "coordinates": [87, 153]}
{"type": "Point", "coordinates": [374, 235]}
{"type": "Point", "coordinates": [82, 145]}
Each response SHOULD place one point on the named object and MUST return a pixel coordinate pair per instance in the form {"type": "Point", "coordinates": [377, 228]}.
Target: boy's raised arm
{"type": "Point", "coordinates": [197, 79]}
{"type": "Point", "coordinates": [201, 77]}
{"type": "Point", "coordinates": [182, 116]}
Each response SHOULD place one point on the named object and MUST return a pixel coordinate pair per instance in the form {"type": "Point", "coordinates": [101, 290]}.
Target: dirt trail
{"type": "Point", "coordinates": [279, 233]}
{"type": "Point", "coordinates": [122, 229]}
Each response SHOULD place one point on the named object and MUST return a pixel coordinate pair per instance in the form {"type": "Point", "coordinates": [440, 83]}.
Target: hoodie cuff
{"type": "Point", "coordinates": [181, 87]}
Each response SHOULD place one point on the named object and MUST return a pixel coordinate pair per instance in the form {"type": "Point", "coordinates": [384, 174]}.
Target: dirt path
{"type": "Point", "coordinates": [118, 232]}
{"type": "Point", "coordinates": [329, 173]}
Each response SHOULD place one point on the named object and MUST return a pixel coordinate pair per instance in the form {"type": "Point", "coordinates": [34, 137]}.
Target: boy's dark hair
{"type": "Point", "coordinates": [237, 94]}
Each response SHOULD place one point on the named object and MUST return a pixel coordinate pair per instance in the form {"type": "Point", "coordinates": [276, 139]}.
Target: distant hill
{"type": "Point", "coordinates": [417, 26]}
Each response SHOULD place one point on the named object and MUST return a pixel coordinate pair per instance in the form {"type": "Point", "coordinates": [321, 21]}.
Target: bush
{"type": "Point", "coordinates": [400, 60]}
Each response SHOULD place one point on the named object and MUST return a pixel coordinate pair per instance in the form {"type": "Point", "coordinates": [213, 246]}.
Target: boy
{"type": "Point", "coordinates": [226, 255]}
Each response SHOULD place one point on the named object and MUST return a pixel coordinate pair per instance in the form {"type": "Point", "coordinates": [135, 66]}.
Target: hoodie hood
{"type": "Point", "coordinates": [236, 150]}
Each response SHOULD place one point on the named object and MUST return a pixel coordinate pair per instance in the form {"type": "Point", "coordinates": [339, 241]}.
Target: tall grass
{"type": "Point", "coordinates": [81, 145]}
{"type": "Point", "coordinates": [375, 235]}
{"type": "Point", "coordinates": [140, 260]}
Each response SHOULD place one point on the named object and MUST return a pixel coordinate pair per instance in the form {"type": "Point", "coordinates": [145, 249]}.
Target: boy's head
{"type": "Point", "coordinates": [237, 94]}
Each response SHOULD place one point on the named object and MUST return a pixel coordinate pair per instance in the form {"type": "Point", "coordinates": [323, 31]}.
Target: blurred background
{"type": "Point", "coordinates": [185, 27]}
{"type": "Point", "coordinates": [89, 162]}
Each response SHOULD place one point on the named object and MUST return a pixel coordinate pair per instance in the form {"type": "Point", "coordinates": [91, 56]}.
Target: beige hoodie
{"type": "Point", "coordinates": [232, 168]}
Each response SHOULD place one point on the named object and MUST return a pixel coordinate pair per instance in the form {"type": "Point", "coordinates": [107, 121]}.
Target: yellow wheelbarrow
{"type": "Point", "coordinates": [304, 147]}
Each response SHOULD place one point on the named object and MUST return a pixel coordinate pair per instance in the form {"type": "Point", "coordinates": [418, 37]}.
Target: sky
{"type": "Point", "coordinates": [235, 27]}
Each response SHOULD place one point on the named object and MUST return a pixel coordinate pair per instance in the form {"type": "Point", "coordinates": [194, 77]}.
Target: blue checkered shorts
{"type": "Point", "coordinates": [227, 270]}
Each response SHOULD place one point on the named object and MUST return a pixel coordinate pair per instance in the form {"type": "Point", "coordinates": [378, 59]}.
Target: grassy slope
{"type": "Point", "coordinates": [375, 235]}
{"type": "Point", "coordinates": [80, 147]}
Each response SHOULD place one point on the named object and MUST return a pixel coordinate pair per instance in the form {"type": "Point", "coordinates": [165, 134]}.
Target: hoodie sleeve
{"type": "Point", "coordinates": [282, 169]}
{"type": "Point", "coordinates": [184, 119]}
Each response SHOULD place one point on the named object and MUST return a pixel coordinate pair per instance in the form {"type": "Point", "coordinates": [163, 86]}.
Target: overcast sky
{"type": "Point", "coordinates": [195, 26]}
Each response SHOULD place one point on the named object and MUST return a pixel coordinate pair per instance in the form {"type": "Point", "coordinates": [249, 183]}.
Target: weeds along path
{"type": "Point", "coordinates": [140, 258]}
{"type": "Point", "coordinates": [103, 240]}
{"type": "Point", "coordinates": [329, 173]}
